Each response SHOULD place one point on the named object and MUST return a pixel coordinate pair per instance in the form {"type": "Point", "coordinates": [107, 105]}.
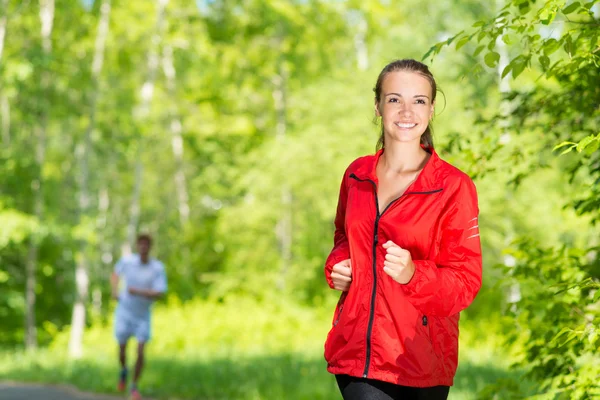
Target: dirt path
{"type": "Point", "coordinates": [26, 391]}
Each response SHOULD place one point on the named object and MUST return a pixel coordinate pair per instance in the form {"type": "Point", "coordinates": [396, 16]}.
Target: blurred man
{"type": "Point", "coordinates": [144, 281]}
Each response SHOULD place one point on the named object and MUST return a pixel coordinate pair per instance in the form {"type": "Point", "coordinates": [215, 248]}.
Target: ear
{"type": "Point", "coordinates": [432, 111]}
{"type": "Point", "coordinates": [377, 113]}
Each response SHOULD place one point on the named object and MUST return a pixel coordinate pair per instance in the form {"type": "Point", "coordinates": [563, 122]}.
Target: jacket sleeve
{"type": "Point", "coordinates": [449, 284]}
{"type": "Point", "coordinates": [341, 248]}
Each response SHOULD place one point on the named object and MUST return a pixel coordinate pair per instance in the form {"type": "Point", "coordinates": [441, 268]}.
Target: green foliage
{"type": "Point", "coordinates": [551, 52]}
{"type": "Point", "coordinates": [242, 71]}
{"type": "Point", "coordinates": [556, 318]}
{"type": "Point", "coordinates": [238, 349]}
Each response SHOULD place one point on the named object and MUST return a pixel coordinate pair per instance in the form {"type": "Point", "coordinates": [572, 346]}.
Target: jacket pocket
{"type": "Point", "coordinates": [339, 309]}
{"type": "Point", "coordinates": [426, 322]}
{"type": "Point", "coordinates": [430, 332]}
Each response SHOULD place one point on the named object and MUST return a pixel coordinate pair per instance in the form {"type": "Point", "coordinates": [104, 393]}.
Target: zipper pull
{"type": "Point", "coordinates": [424, 320]}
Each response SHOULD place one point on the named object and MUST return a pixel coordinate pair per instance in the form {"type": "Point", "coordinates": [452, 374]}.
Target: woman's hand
{"type": "Point", "coordinates": [398, 263]}
{"type": "Point", "coordinates": [341, 275]}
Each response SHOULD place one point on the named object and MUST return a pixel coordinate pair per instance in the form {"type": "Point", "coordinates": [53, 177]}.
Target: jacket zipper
{"type": "Point", "coordinates": [375, 241]}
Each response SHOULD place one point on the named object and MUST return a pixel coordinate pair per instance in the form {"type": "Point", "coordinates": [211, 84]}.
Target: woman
{"type": "Point", "coordinates": [407, 255]}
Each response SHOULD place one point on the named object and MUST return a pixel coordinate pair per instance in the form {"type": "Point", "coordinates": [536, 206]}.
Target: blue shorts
{"type": "Point", "coordinates": [127, 325]}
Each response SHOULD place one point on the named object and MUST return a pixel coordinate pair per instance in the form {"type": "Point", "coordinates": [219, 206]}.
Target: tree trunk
{"type": "Point", "coordinates": [360, 43]}
{"type": "Point", "coordinates": [4, 105]}
{"type": "Point", "coordinates": [3, 18]}
{"type": "Point", "coordinates": [176, 138]}
{"type": "Point", "coordinates": [134, 210]}
{"type": "Point", "coordinates": [83, 149]}
{"type": "Point", "coordinates": [5, 115]}
{"type": "Point", "coordinates": [46, 15]}
{"type": "Point", "coordinates": [284, 225]}
{"type": "Point", "coordinates": [146, 94]}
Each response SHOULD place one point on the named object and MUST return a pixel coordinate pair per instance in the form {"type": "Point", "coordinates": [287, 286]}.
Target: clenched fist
{"type": "Point", "coordinates": [398, 263]}
{"type": "Point", "coordinates": [341, 275]}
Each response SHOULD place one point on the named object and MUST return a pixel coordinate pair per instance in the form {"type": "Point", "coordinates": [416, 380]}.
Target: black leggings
{"type": "Point", "coordinates": [369, 389]}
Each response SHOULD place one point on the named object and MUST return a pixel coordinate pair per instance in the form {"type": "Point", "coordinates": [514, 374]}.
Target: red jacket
{"type": "Point", "coordinates": [384, 330]}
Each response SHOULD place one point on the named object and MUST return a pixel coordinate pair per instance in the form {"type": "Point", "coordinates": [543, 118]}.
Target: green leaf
{"type": "Point", "coordinates": [450, 40]}
{"type": "Point", "coordinates": [585, 142]}
{"type": "Point", "coordinates": [572, 335]}
{"type": "Point", "coordinates": [570, 8]}
{"type": "Point", "coordinates": [462, 42]}
{"type": "Point", "coordinates": [518, 65]}
{"type": "Point", "coordinates": [597, 295]}
{"type": "Point", "coordinates": [478, 50]}
{"type": "Point", "coordinates": [481, 35]}
{"type": "Point", "coordinates": [524, 8]}
{"type": "Point", "coordinates": [592, 148]}
{"type": "Point", "coordinates": [567, 150]}
{"type": "Point", "coordinates": [436, 48]}
{"type": "Point", "coordinates": [569, 46]}
{"type": "Point", "coordinates": [544, 61]}
{"type": "Point", "coordinates": [550, 46]}
{"type": "Point", "coordinates": [560, 333]}
{"type": "Point", "coordinates": [506, 70]}
{"type": "Point", "coordinates": [593, 335]}
{"type": "Point", "coordinates": [478, 24]}
{"type": "Point", "coordinates": [429, 52]}
{"type": "Point", "coordinates": [491, 59]}
{"type": "Point", "coordinates": [508, 38]}
{"type": "Point", "coordinates": [563, 144]}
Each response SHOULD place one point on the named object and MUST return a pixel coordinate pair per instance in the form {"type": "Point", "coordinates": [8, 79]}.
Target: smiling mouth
{"type": "Point", "coordinates": [405, 125]}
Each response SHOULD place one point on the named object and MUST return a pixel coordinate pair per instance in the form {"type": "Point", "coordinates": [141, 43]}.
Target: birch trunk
{"type": "Point", "coordinates": [134, 209]}
{"type": "Point", "coordinates": [146, 94]}
{"type": "Point", "coordinates": [4, 105]}
{"type": "Point", "coordinates": [5, 115]}
{"type": "Point", "coordinates": [176, 138]}
{"type": "Point", "coordinates": [284, 225]}
{"type": "Point", "coordinates": [3, 19]}
{"type": "Point", "coordinates": [360, 44]}
{"type": "Point", "coordinates": [46, 15]}
{"type": "Point", "coordinates": [82, 269]}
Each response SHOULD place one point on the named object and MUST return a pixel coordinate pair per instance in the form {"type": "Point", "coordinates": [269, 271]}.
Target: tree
{"type": "Point", "coordinates": [554, 62]}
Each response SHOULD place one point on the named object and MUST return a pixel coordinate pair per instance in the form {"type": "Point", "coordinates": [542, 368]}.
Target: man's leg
{"type": "Point", "coordinates": [123, 360]}
{"type": "Point", "coordinates": [122, 334]}
{"type": "Point", "coordinates": [123, 355]}
{"type": "Point", "coordinates": [142, 333]}
{"type": "Point", "coordinates": [139, 364]}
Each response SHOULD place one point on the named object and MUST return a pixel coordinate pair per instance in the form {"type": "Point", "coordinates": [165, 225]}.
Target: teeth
{"type": "Point", "coordinates": [405, 125]}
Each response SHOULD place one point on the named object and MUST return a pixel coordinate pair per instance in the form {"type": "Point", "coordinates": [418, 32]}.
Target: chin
{"type": "Point", "coordinates": [407, 137]}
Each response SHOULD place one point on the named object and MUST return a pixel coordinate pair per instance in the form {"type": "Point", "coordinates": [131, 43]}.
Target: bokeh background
{"type": "Point", "coordinates": [223, 128]}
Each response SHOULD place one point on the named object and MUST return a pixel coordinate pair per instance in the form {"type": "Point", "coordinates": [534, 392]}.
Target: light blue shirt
{"type": "Point", "coordinates": [140, 276]}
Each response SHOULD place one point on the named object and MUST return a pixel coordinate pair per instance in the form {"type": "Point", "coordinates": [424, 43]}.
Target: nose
{"type": "Point", "coordinates": [405, 108]}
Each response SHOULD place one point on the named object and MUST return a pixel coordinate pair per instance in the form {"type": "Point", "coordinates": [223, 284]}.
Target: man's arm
{"type": "Point", "coordinates": [114, 285]}
{"type": "Point", "coordinates": [159, 286]}
{"type": "Point", "coordinates": [149, 293]}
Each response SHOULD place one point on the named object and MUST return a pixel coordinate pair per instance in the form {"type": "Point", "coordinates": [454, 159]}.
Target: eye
{"type": "Point", "coordinates": [393, 100]}
{"type": "Point", "coordinates": [421, 101]}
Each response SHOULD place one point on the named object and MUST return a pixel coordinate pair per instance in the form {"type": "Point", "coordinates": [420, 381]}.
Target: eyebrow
{"type": "Point", "coordinates": [399, 95]}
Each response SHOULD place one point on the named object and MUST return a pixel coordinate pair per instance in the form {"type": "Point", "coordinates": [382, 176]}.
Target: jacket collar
{"type": "Point", "coordinates": [428, 179]}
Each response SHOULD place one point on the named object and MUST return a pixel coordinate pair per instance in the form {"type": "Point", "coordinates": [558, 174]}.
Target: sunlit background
{"type": "Point", "coordinates": [223, 128]}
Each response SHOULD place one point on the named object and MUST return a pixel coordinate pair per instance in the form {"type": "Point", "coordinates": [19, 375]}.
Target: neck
{"type": "Point", "coordinates": [144, 258]}
{"type": "Point", "coordinates": [402, 157]}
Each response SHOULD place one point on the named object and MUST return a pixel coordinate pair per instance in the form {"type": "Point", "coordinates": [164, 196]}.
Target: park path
{"type": "Point", "coordinates": [26, 391]}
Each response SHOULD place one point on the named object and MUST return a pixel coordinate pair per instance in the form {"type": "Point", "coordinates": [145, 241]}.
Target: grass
{"type": "Point", "coordinates": [237, 350]}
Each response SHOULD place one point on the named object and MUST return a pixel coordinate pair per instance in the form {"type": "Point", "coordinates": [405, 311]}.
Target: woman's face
{"type": "Point", "coordinates": [405, 106]}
